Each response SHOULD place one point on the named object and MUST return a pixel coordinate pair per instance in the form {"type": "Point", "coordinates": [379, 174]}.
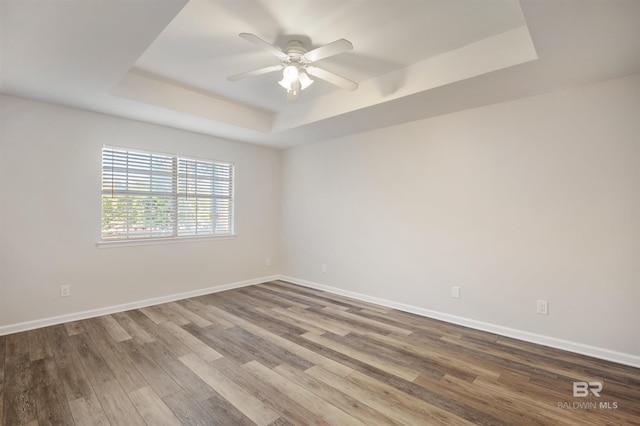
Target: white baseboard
{"type": "Point", "coordinates": [601, 353]}
{"type": "Point", "coordinates": [45, 322]}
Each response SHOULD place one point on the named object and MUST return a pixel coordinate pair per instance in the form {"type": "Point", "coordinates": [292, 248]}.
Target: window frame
{"type": "Point", "coordinates": [129, 237]}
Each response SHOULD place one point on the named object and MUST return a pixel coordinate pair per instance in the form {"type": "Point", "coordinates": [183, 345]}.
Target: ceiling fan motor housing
{"type": "Point", "coordinates": [295, 50]}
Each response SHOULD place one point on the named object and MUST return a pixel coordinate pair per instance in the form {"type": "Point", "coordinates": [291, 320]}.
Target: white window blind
{"type": "Point", "coordinates": [205, 193]}
{"type": "Point", "coordinates": [150, 195]}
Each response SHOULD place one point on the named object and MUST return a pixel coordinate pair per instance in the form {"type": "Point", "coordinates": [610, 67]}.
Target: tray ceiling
{"type": "Point", "coordinates": [166, 61]}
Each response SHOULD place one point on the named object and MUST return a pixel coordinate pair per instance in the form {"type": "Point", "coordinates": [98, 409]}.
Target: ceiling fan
{"type": "Point", "coordinates": [296, 65]}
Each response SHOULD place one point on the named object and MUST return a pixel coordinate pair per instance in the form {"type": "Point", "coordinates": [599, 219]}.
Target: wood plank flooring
{"type": "Point", "coordinates": [279, 354]}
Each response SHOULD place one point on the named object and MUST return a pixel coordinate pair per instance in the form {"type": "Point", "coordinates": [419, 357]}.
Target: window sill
{"type": "Point", "coordinates": [154, 241]}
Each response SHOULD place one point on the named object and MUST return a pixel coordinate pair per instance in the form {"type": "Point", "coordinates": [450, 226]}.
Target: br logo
{"type": "Point", "coordinates": [582, 389]}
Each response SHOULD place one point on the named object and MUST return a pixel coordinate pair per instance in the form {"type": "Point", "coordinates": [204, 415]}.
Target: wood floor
{"type": "Point", "coordinates": [279, 354]}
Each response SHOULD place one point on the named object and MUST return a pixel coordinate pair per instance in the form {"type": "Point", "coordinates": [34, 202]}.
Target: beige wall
{"type": "Point", "coordinates": [50, 160]}
{"type": "Point", "coordinates": [532, 199]}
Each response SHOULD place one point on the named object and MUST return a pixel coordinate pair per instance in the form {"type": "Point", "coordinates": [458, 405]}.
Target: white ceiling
{"type": "Point", "coordinates": [201, 46]}
{"type": "Point", "coordinates": [166, 61]}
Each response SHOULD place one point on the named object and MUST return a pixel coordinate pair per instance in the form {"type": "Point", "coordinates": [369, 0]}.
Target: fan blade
{"type": "Point", "coordinates": [292, 95]}
{"type": "Point", "coordinates": [264, 45]}
{"type": "Point", "coordinates": [260, 71]}
{"type": "Point", "coordinates": [331, 49]}
{"type": "Point", "coordinates": [332, 78]}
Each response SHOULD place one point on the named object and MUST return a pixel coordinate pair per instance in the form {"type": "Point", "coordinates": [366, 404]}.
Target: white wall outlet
{"type": "Point", "coordinates": [267, 261]}
{"type": "Point", "coordinates": [543, 307]}
{"type": "Point", "coordinates": [455, 292]}
{"type": "Point", "coordinates": [324, 267]}
{"type": "Point", "coordinates": [65, 290]}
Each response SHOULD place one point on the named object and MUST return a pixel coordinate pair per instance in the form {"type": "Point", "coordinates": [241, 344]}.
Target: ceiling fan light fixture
{"type": "Point", "coordinates": [285, 84]}
{"type": "Point", "coordinates": [305, 81]}
{"type": "Point", "coordinates": [292, 74]}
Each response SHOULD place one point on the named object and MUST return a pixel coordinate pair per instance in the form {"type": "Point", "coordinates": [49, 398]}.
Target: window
{"type": "Point", "coordinates": [152, 196]}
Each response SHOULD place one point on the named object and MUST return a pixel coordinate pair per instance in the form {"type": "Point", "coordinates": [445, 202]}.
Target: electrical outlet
{"type": "Point", "coordinates": [455, 292]}
{"type": "Point", "coordinates": [267, 261]}
{"type": "Point", "coordinates": [65, 290]}
{"type": "Point", "coordinates": [543, 307]}
{"type": "Point", "coordinates": [324, 267]}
